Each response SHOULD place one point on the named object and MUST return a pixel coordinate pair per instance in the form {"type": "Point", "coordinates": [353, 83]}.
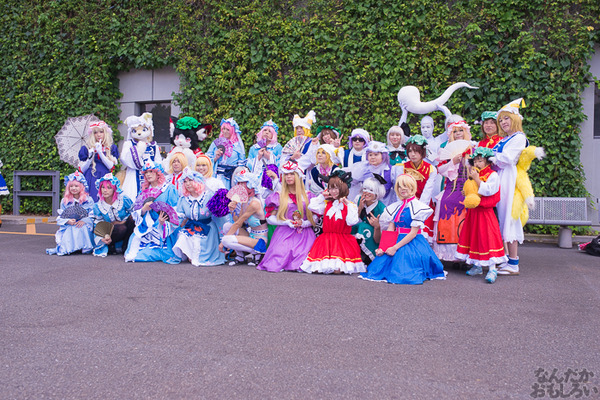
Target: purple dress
{"type": "Point", "coordinates": [288, 247]}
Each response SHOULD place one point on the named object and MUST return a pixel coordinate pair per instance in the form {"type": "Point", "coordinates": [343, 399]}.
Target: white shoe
{"type": "Point", "coordinates": [508, 269]}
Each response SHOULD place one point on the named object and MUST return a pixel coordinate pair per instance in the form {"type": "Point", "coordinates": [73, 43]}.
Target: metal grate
{"type": "Point", "coordinates": [560, 211]}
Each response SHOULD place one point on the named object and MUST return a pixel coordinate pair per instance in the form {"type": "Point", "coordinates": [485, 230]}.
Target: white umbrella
{"type": "Point", "coordinates": [72, 136]}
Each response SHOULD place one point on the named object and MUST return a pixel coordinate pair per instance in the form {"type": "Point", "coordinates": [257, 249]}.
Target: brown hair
{"type": "Point", "coordinates": [416, 147]}
{"type": "Point", "coordinates": [336, 182]}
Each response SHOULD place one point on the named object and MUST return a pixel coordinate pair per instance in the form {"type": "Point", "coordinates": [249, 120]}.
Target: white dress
{"type": "Point", "coordinates": [507, 153]}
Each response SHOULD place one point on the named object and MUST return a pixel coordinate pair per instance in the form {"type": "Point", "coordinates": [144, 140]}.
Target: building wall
{"type": "Point", "coordinates": [590, 149]}
{"type": "Point", "coordinates": [140, 87]}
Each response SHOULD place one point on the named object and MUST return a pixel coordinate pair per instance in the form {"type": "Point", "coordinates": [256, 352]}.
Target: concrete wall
{"type": "Point", "coordinates": [590, 150]}
{"type": "Point", "coordinates": [143, 86]}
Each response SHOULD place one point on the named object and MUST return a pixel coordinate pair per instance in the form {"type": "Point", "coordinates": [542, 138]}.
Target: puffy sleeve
{"type": "Point", "coordinates": [491, 186]}
{"type": "Point", "coordinates": [211, 151]}
{"type": "Point", "coordinates": [449, 169]}
{"type": "Point", "coordinates": [419, 212]}
{"type": "Point", "coordinates": [352, 215]}
{"type": "Point", "coordinates": [388, 214]}
{"type": "Point", "coordinates": [114, 151]}
{"type": "Point", "coordinates": [511, 151]}
{"type": "Point", "coordinates": [272, 203]}
{"type": "Point", "coordinates": [84, 153]}
{"type": "Point", "coordinates": [251, 161]}
{"type": "Point", "coordinates": [181, 208]}
{"type": "Point", "coordinates": [317, 204]}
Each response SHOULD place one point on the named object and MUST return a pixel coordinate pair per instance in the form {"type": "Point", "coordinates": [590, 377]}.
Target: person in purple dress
{"type": "Point", "coordinates": [99, 156]}
{"type": "Point", "coordinates": [450, 211]}
{"type": "Point", "coordinates": [287, 209]}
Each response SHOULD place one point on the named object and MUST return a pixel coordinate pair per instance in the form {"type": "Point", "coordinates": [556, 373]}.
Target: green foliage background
{"type": "Point", "coordinates": [256, 60]}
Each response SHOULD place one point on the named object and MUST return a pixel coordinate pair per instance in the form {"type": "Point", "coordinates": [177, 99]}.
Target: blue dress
{"type": "Point", "coordinates": [70, 238]}
{"type": "Point", "coordinates": [255, 165]}
{"type": "Point", "coordinates": [225, 166]}
{"type": "Point", "coordinates": [97, 169]}
{"type": "Point", "coordinates": [199, 238]}
{"type": "Point", "coordinates": [152, 241]}
{"type": "Point", "coordinates": [414, 262]}
{"type": "Point", "coordinates": [118, 211]}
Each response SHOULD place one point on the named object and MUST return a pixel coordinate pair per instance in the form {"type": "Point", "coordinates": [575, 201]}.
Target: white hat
{"type": "Point", "coordinates": [377, 147]}
{"type": "Point", "coordinates": [513, 107]}
{"type": "Point", "coordinates": [329, 149]}
{"type": "Point", "coordinates": [305, 122]}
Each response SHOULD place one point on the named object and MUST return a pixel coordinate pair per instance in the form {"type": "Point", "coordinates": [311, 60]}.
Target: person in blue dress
{"type": "Point", "coordinates": [198, 239]}
{"type": "Point", "coordinates": [154, 235]}
{"type": "Point", "coordinates": [3, 189]}
{"type": "Point", "coordinates": [99, 156]}
{"type": "Point", "coordinates": [227, 151]}
{"type": "Point", "coordinates": [266, 150]}
{"type": "Point", "coordinates": [410, 261]}
{"type": "Point", "coordinates": [74, 218]}
{"type": "Point", "coordinates": [113, 207]}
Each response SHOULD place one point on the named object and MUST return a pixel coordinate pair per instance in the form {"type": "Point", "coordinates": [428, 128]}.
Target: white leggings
{"type": "Point", "coordinates": [231, 242]}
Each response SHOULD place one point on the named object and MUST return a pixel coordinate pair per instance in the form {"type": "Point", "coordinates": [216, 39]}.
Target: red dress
{"type": "Point", "coordinates": [335, 249]}
{"type": "Point", "coordinates": [480, 241]}
{"type": "Point", "coordinates": [422, 175]}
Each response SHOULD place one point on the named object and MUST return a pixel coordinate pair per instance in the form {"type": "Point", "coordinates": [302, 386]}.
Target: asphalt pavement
{"type": "Point", "coordinates": [83, 327]}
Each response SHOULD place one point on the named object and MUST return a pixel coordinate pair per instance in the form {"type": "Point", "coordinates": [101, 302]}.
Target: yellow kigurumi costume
{"type": "Point", "coordinates": [523, 199]}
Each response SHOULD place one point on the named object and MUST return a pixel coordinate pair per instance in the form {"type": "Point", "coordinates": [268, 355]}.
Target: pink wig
{"type": "Point", "coordinates": [68, 197]}
{"type": "Point", "coordinates": [107, 183]}
{"type": "Point", "coordinates": [160, 179]}
{"type": "Point", "coordinates": [199, 186]}
{"type": "Point", "coordinates": [259, 135]}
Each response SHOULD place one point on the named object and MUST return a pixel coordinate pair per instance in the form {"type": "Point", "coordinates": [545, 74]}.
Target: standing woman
{"type": "Point", "coordinates": [377, 163]}
{"type": "Point", "coordinates": [3, 189]}
{"type": "Point", "coordinates": [99, 156]}
{"type": "Point", "coordinates": [266, 150]}
{"type": "Point", "coordinates": [324, 166]}
{"type": "Point", "coordinates": [227, 151]}
{"type": "Point", "coordinates": [113, 207]}
{"type": "Point", "coordinates": [154, 235]}
{"type": "Point", "coordinates": [424, 173]}
{"type": "Point", "coordinates": [450, 211]}
{"type": "Point", "coordinates": [176, 162]}
{"type": "Point", "coordinates": [489, 128]}
{"type": "Point", "coordinates": [288, 211]}
{"type": "Point", "coordinates": [302, 127]}
{"type": "Point", "coordinates": [396, 137]}
{"type": "Point", "coordinates": [507, 153]}
{"type": "Point", "coordinates": [199, 237]}
{"type": "Point", "coordinates": [75, 218]}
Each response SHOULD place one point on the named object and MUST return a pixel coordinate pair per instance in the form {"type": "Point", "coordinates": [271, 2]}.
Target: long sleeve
{"type": "Point", "coordinates": [491, 186]}
{"type": "Point", "coordinates": [429, 186]}
{"type": "Point", "coordinates": [317, 204]}
{"type": "Point", "coordinates": [511, 151]}
{"type": "Point", "coordinates": [352, 217]}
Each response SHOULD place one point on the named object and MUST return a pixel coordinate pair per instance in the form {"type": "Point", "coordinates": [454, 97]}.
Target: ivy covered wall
{"type": "Point", "coordinates": [256, 60]}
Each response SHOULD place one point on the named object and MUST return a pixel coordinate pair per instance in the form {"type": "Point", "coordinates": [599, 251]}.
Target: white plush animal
{"type": "Point", "coordinates": [409, 98]}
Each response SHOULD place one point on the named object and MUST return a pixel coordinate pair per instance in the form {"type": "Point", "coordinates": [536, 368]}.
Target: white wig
{"type": "Point", "coordinates": [372, 185]}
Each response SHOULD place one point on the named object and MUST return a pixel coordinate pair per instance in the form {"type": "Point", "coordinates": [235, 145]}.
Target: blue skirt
{"type": "Point", "coordinates": [412, 264]}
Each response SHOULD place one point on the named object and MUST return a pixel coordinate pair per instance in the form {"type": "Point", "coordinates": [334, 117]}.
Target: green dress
{"type": "Point", "coordinates": [363, 230]}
